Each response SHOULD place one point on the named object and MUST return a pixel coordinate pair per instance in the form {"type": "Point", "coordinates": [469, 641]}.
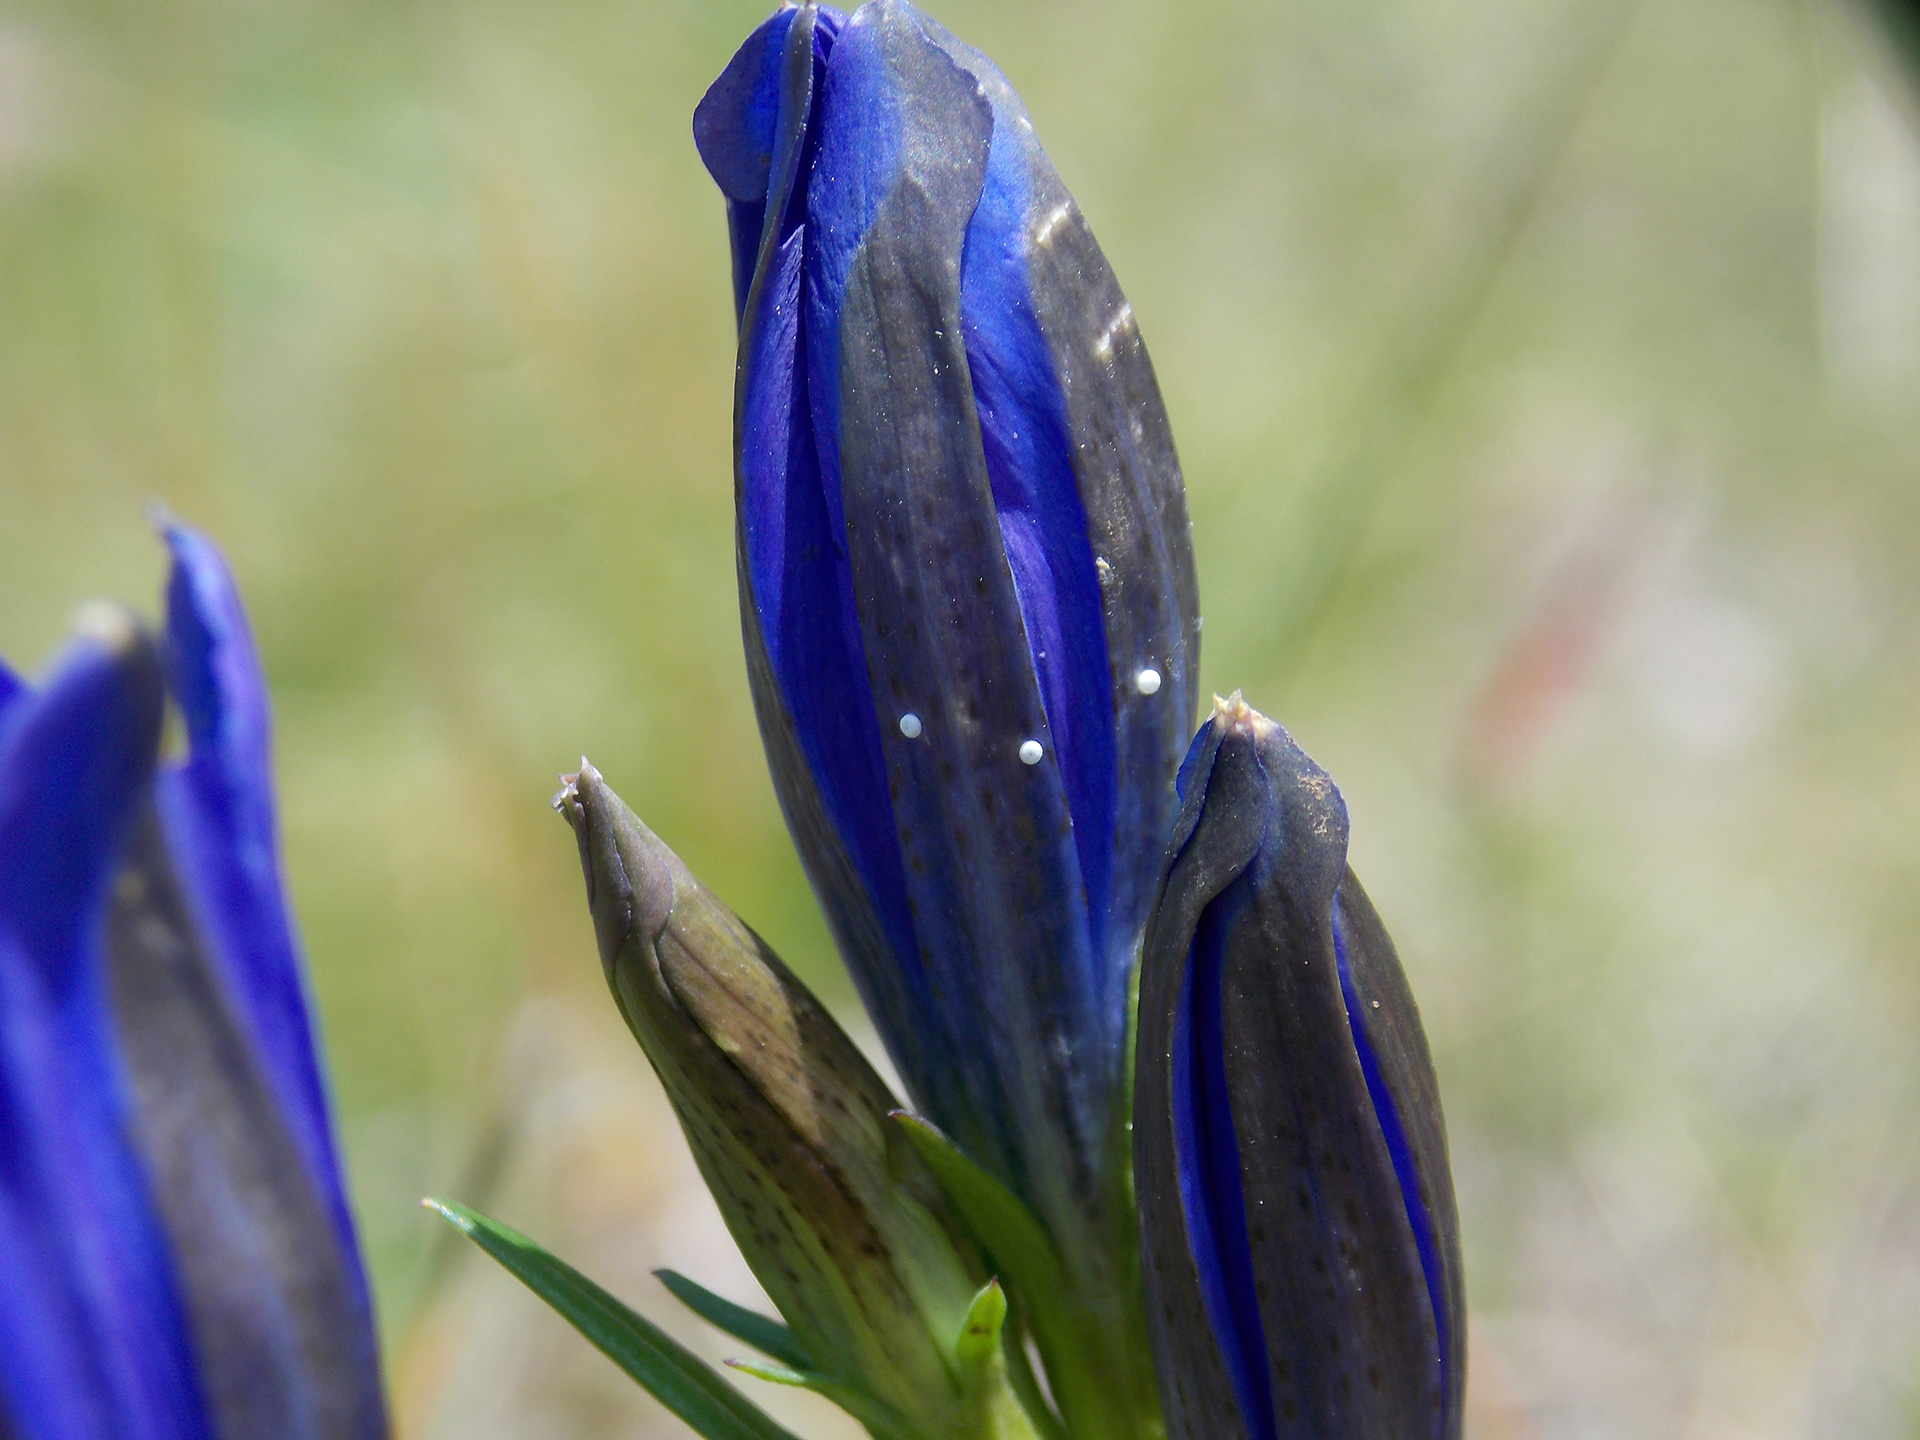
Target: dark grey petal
{"type": "Point", "coordinates": [282, 1342]}
{"type": "Point", "coordinates": [1130, 485]}
{"type": "Point", "coordinates": [1384, 1007]}
{"type": "Point", "coordinates": [1352, 1346]}
{"type": "Point", "coordinates": [1222, 821]}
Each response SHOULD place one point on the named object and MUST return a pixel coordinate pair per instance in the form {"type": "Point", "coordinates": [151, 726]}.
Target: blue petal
{"type": "Point", "coordinates": [750, 128]}
{"type": "Point", "coordinates": [12, 687]}
{"type": "Point", "coordinates": [92, 1341]}
{"type": "Point", "coordinates": [804, 652]}
{"type": "Point", "coordinates": [1043, 526]}
{"type": "Point", "coordinates": [734, 123]}
{"type": "Point", "coordinates": [795, 586]}
{"type": "Point", "coordinates": [217, 809]}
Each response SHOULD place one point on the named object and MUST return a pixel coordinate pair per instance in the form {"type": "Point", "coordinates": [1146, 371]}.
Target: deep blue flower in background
{"type": "Point", "coordinates": [967, 582]}
{"type": "Point", "coordinates": [1299, 1237]}
{"type": "Point", "coordinates": [176, 1253]}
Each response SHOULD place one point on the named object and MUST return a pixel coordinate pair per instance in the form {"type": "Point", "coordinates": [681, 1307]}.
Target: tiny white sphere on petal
{"type": "Point", "coordinates": [1030, 752]}
{"type": "Point", "coordinates": [910, 725]}
{"type": "Point", "coordinates": [1147, 682]}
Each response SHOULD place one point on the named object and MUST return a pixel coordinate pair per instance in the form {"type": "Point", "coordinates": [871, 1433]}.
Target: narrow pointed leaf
{"type": "Point", "coordinates": [668, 1371]}
{"type": "Point", "coordinates": [766, 1335]}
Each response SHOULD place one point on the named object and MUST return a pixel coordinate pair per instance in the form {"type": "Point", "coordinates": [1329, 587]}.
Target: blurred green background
{"type": "Point", "coordinates": [1547, 378]}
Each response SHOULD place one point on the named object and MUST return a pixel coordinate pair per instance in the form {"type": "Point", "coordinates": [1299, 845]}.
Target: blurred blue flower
{"type": "Point", "coordinates": [1299, 1238]}
{"type": "Point", "coordinates": [176, 1253]}
{"type": "Point", "coordinates": [966, 578]}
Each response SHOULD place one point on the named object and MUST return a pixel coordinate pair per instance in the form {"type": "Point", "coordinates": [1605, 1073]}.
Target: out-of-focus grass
{"type": "Point", "coordinates": [1547, 374]}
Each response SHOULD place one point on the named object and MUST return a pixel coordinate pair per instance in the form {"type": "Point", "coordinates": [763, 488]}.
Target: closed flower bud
{"type": "Point", "coordinates": [966, 582]}
{"type": "Point", "coordinates": [1298, 1230]}
{"type": "Point", "coordinates": [835, 1212]}
{"type": "Point", "coordinates": [176, 1251]}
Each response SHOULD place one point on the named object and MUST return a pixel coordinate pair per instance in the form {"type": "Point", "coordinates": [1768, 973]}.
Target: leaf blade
{"type": "Point", "coordinates": [663, 1367]}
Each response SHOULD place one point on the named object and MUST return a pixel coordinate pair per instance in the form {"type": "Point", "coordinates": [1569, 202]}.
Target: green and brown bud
{"type": "Point", "coordinates": [840, 1219]}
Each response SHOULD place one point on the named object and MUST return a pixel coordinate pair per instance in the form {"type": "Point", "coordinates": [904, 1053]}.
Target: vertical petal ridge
{"type": "Point", "coordinates": [1043, 524]}
{"type": "Point", "coordinates": [91, 1335]}
{"type": "Point", "coordinates": [805, 656]}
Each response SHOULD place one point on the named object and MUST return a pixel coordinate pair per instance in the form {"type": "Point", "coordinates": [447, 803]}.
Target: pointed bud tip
{"type": "Point", "coordinates": [629, 872]}
{"type": "Point", "coordinates": [159, 518]}
{"type": "Point", "coordinates": [1237, 720]}
{"type": "Point", "coordinates": [566, 800]}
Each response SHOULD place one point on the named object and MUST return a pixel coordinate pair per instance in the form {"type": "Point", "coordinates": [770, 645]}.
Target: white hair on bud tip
{"type": "Point", "coordinates": [1031, 751]}
{"type": "Point", "coordinates": [910, 725]}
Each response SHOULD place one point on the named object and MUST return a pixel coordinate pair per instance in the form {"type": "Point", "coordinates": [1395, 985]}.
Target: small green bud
{"type": "Point", "coordinates": [993, 1411]}
{"type": "Point", "coordinates": [835, 1211]}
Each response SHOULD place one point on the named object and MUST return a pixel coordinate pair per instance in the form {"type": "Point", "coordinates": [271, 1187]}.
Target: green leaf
{"type": "Point", "coordinates": [767, 1336]}
{"type": "Point", "coordinates": [673, 1375]}
{"type": "Point", "coordinates": [1079, 1371]}
{"type": "Point", "coordinates": [882, 1422]}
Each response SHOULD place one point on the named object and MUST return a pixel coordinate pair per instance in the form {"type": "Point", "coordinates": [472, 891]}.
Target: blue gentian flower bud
{"type": "Point", "coordinates": [1298, 1232]}
{"type": "Point", "coordinates": [966, 580]}
{"type": "Point", "coordinates": [176, 1251]}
